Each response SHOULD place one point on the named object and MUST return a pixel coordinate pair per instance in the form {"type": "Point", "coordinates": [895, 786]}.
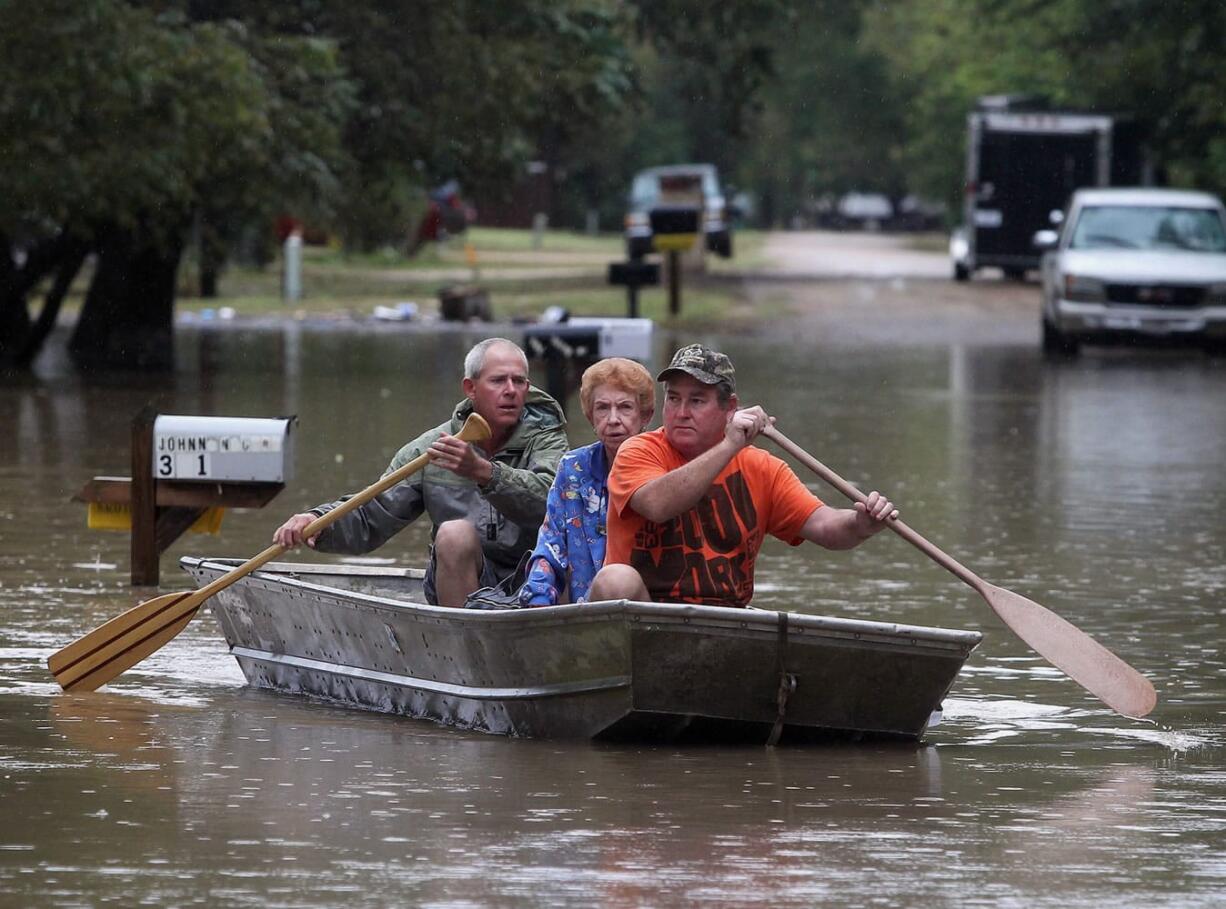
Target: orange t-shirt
{"type": "Point", "coordinates": [707, 554]}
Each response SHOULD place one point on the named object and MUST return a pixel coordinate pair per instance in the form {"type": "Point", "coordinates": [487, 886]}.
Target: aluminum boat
{"type": "Point", "coordinates": [363, 636]}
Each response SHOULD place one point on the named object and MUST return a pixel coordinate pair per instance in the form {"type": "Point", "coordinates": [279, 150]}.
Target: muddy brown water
{"type": "Point", "coordinates": [1094, 487]}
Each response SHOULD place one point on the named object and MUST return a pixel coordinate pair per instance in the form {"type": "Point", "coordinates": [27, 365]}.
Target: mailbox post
{"type": "Point", "coordinates": [184, 465]}
{"type": "Point", "coordinates": [674, 230]}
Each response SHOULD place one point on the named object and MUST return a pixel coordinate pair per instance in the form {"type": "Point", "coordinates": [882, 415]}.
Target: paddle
{"type": "Point", "coordinates": [1061, 643]}
{"type": "Point", "coordinates": [93, 660]}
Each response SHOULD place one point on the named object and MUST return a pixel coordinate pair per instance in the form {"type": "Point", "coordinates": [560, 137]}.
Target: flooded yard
{"type": "Point", "coordinates": [1094, 487]}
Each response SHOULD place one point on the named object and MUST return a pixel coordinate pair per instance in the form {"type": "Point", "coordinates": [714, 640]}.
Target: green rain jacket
{"type": "Point", "coordinates": [507, 511]}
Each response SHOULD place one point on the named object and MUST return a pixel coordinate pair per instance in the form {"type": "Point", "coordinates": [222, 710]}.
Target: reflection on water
{"type": "Point", "coordinates": [1094, 488]}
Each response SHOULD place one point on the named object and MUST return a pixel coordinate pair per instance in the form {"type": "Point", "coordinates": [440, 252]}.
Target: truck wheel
{"type": "Point", "coordinates": [637, 247]}
{"type": "Point", "coordinates": [1058, 344]}
{"type": "Point", "coordinates": [961, 272]}
{"type": "Point", "coordinates": [720, 243]}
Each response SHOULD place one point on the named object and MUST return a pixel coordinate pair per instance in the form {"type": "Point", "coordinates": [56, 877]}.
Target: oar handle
{"type": "Point", "coordinates": [475, 429]}
{"type": "Point", "coordinates": [913, 537]}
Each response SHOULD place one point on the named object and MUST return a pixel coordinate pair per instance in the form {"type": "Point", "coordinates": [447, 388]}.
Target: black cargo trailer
{"type": "Point", "coordinates": [1021, 165]}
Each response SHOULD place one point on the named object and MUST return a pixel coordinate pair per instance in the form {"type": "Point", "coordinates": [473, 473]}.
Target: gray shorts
{"type": "Point", "coordinates": [489, 577]}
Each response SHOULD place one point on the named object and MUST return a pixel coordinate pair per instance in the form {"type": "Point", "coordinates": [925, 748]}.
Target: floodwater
{"type": "Point", "coordinates": [1095, 487]}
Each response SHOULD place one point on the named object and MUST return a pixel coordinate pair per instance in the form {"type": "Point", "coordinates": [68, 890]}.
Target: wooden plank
{"type": "Point", "coordinates": [181, 494]}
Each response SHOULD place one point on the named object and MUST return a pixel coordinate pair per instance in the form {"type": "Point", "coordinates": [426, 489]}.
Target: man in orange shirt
{"type": "Point", "coordinates": [690, 503]}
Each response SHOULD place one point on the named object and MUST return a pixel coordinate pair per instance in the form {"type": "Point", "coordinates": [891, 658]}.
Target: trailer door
{"type": "Point", "coordinates": [1022, 177]}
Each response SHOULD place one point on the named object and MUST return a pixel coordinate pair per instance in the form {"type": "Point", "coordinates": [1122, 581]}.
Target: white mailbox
{"type": "Point", "coordinates": [216, 449]}
{"type": "Point", "coordinates": [590, 338]}
{"type": "Point", "coordinates": [630, 338]}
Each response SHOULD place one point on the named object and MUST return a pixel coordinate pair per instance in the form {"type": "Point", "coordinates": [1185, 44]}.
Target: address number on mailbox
{"type": "Point", "coordinates": [180, 466]}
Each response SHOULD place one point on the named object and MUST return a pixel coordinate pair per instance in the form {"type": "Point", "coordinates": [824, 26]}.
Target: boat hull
{"type": "Point", "coordinates": [361, 636]}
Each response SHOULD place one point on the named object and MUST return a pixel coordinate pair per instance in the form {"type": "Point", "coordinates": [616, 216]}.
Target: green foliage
{"type": "Point", "coordinates": [694, 76]}
{"type": "Point", "coordinates": [469, 91]}
{"type": "Point", "coordinates": [830, 121]}
{"type": "Point", "coordinates": [1162, 62]}
{"type": "Point", "coordinates": [112, 115]}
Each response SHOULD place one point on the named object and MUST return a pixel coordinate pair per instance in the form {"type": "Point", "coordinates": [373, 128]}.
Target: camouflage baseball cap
{"type": "Point", "coordinates": [704, 364]}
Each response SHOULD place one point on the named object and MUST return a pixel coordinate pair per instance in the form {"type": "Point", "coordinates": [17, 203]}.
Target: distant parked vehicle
{"type": "Point", "coordinates": [875, 211]}
{"type": "Point", "coordinates": [668, 195]}
{"type": "Point", "coordinates": [1135, 263]}
{"type": "Point", "coordinates": [864, 211]}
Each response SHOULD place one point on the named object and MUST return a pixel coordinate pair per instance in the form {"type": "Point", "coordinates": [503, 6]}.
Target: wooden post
{"type": "Point", "coordinates": [557, 377]}
{"type": "Point", "coordinates": [145, 567]}
{"type": "Point", "coordinates": [674, 282]}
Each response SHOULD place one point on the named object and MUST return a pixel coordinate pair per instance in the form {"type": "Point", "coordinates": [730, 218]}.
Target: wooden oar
{"type": "Point", "coordinates": [93, 660]}
{"type": "Point", "coordinates": [1061, 643]}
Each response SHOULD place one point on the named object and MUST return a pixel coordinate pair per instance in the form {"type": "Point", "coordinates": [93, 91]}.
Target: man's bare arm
{"type": "Point", "coordinates": [846, 528]}
{"type": "Point", "coordinates": [667, 496]}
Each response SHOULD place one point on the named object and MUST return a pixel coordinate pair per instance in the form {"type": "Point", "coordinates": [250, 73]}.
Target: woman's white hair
{"type": "Point", "coordinates": [474, 360]}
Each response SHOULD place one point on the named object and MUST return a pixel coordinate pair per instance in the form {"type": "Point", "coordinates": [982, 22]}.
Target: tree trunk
{"type": "Point", "coordinates": [21, 270]}
{"type": "Point", "coordinates": [14, 317]}
{"type": "Point", "coordinates": [212, 252]}
{"type": "Point", "coordinates": [208, 280]}
{"type": "Point", "coordinates": [127, 321]}
{"type": "Point", "coordinates": [74, 258]}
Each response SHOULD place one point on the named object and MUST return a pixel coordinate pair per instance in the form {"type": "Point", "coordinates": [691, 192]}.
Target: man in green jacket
{"type": "Point", "coordinates": [486, 502]}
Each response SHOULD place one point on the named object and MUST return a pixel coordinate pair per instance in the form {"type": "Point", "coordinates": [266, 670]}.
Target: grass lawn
{"type": "Point", "coordinates": [567, 270]}
{"type": "Point", "coordinates": [512, 248]}
{"type": "Point", "coordinates": [491, 246]}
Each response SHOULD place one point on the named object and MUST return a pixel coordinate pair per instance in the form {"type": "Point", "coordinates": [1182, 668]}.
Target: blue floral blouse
{"type": "Point", "coordinates": [571, 544]}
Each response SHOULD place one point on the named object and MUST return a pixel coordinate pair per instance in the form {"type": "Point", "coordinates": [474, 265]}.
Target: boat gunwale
{"type": "Point", "coordinates": [282, 574]}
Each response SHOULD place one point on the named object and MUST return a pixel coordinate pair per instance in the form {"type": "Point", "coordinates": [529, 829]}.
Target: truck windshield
{"type": "Point", "coordinates": [644, 190]}
{"type": "Point", "coordinates": [1149, 227]}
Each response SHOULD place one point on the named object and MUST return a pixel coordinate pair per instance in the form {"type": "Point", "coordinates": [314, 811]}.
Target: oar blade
{"type": "Point", "coordinates": [99, 675]}
{"type": "Point", "coordinates": [99, 656]}
{"type": "Point", "coordinates": [1074, 653]}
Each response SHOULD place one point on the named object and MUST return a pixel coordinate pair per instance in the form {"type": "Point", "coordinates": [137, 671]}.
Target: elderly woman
{"type": "Point", "coordinates": [618, 398]}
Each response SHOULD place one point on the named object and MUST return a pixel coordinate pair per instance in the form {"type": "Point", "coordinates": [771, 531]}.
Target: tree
{"type": "Point", "coordinates": [116, 124]}
{"type": "Point", "coordinates": [469, 90]}
{"type": "Point", "coordinates": [830, 121]}
{"type": "Point", "coordinates": [692, 80]}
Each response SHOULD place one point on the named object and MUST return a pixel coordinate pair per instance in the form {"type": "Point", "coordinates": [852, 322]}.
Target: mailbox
{"type": "Point", "coordinates": [634, 273]}
{"type": "Point", "coordinates": [569, 347]}
{"type": "Point", "coordinates": [590, 338]}
{"type": "Point", "coordinates": [223, 449]}
{"type": "Point", "coordinates": [630, 338]}
{"type": "Point", "coordinates": [674, 228]}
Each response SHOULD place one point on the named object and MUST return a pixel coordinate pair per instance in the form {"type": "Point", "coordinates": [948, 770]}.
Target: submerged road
{"type": "Point", "coordinates": [856, 289]}
{"type": "Point", "coordinates": [828, 254]}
